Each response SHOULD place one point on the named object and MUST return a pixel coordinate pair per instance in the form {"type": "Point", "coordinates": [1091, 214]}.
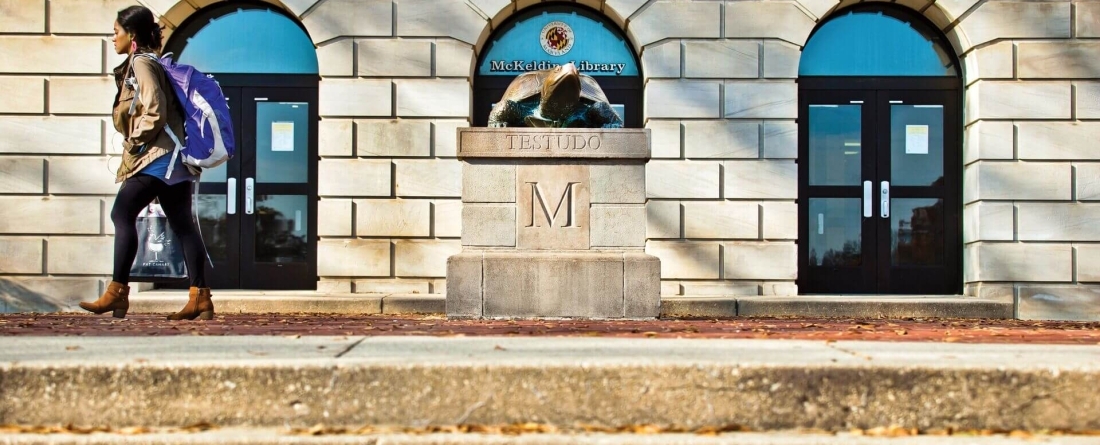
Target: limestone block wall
{"type": "Point", "coordinates": [1030, 217]}
{"type": "Point", "coordinates": [720, 99]}
{"type": "Point", "coordinates": [56, 187]}
{"type": "Point", "coordinates": [395, 87]}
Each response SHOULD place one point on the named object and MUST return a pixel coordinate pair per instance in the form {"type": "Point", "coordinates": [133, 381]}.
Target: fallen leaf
{"type": "Point", "coordinates": [527, 428]}
{"type": "Point", "coordinates": [644, 429]}
{"type": "Point", "coordinates": [198, 427]}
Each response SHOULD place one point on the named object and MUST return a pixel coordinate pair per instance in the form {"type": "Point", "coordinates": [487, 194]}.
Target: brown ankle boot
{"type": "Point", "coordinates": [116, 298]}
{"type": "Point", "coordinates": [198, 305]}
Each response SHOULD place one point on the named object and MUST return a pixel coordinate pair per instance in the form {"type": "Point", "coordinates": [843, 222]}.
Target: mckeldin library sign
{"type": "Point", "coordinates": [553, 225]}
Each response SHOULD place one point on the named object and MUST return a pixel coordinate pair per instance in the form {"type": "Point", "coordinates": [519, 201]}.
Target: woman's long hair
{"type": "Point", "coordinates": [139, 22]}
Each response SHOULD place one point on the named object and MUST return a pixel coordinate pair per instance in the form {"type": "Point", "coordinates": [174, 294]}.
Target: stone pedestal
{"type": "Point", "coordinates": [553, 225]}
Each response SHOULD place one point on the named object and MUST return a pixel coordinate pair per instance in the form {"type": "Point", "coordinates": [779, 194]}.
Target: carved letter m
{"type": "Point", "coordinates": [567, 198]}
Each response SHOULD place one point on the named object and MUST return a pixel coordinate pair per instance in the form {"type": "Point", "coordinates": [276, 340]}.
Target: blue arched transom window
{"type": "Point", "coordinates": [246, 39]}
{"type": "Point", "coordinates": [876, 42]}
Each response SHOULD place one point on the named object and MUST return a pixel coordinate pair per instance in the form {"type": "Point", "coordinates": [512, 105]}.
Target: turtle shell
{"type": "Point", "coordinates": [529, 84]}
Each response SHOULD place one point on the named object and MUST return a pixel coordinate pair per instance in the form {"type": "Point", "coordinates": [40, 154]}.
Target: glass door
{"type": "Point", "coordinates": [217, 205]}
{"type": "Point", "coordinates": [918, 188]}
{"type": "Point", "coordinates": [879, 192]}
{"type": "Point", "coordinates": [838, 144]}
{"type": "Point", "coordinates": [257, 211]}
{"type": "Point", "coordinates": [278, 185]}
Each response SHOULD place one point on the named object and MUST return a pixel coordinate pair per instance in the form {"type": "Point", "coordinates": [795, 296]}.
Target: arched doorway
{"type": "Point", "coordinates": [590, 41]}
{"type": "Point", "coordinates": [879, 156]}
{"type": "Point", "coordinates": [258, 211]}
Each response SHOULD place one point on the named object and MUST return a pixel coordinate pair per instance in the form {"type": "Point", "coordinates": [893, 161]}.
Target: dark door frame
{"type": "Point", "coordinates": [874, 91]}
{"type": "Point", "coordinates": [284, 276]}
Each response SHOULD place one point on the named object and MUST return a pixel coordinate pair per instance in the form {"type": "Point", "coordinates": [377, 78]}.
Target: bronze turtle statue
{"type": "Point", "coordinates": [558, 97]}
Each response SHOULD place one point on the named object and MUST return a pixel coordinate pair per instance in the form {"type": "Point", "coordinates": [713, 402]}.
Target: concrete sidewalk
{"type": "Point", "coordinates": [250, 436]}
{"type": "Point", "coordinates": [762, 385]}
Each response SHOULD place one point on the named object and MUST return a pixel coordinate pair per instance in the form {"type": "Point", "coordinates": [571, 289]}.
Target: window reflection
{"type": "Point", "coordinates": [916, 144]}
{"type": "Point", "coordinates": [252, 40]}
{"type": "Point", "coordinates": [282, 142]}
{"type": "Point", "coordinates": [836, 147]}
{"type": "Point", "coordinates": [212, 223]}
{"type": "Point", "coordinates": [916, 227]}
{"type": "Point", "coordinates": [214, 175]}
{"type": "Point", "coordinates": [281, 228]}
{"type": "Point", "coordinates": [835, 232]}
{"type": "Point", "coordinates": [873, 43]}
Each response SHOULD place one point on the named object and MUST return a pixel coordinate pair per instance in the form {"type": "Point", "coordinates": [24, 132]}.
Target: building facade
{"type": "Point", "coordinates": [799, 147]}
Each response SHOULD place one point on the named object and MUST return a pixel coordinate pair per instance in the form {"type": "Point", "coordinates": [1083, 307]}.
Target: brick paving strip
{"type": "Point", "coordinates": [912, 329]}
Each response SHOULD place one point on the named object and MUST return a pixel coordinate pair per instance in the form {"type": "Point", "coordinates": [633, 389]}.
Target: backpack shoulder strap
{"type": "Point", "coordinates": [156, 62]}
{"type": "Point", "coordinates": [165, 81]}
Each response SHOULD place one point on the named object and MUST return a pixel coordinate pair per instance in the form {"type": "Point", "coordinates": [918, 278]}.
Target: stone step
{"type": "Point", "coordinates": [856, 306]}
{"type": "Point", "coordinates": [761, 385]}
{"type": "Point", "coordinates": [259, 436]}
{"type": "Point", "coordinates": [164, 301]}
{"type": "Point", "coordinates": [891, 306]}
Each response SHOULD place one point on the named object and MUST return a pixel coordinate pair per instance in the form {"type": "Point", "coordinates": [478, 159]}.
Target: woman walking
{"type": "Point", "coordinates": [144, 108]}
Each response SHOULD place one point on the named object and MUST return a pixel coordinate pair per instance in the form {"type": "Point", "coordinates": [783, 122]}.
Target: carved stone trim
{"type": "Point", "coordinates": [588, 143]}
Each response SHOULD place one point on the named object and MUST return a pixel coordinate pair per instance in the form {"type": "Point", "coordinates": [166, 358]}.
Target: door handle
{"type": "Point", "coordinates": [867, 200]}
{"type": "Point", "coordinates": [884, 190]}
{"type": "Point", "coordinates": [249, 189]}
{"type": "Point", "coordinates": [231, 196]}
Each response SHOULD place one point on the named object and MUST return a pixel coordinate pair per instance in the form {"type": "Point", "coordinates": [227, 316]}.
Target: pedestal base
{"type": "Point", "coordinates": [590, 285]}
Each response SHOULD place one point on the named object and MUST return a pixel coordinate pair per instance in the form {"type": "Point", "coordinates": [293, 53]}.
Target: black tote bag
{"type": "Point", "coordinates": [159, 254]}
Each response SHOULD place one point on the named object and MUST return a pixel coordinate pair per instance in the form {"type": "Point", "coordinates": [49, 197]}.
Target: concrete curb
{"type": "Point", "coordinates": [671, 306]}
{"type": "Point", "coordinates": [698, 307]}
{"type": "Point", "coordinates": [417, 304]}
{"type": "Point", "coordinates": [759, 384]}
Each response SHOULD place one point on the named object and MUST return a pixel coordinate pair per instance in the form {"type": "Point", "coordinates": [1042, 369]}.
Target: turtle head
{"type": "Point", "coordinates": [561, 91]}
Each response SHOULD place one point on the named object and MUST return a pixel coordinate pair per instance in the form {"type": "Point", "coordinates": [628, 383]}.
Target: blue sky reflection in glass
{"type": "Point", "coordinates": [251, 41]}
{"type": "Point", "coordinates": [873, 44]}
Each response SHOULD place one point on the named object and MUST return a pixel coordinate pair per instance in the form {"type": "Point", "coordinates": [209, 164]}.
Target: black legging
{"type": "Point", "coordinates": [136, 193]}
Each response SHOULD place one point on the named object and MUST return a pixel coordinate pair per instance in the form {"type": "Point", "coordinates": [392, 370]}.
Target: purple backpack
{"type": "Point", "coordinates": [208, 141]}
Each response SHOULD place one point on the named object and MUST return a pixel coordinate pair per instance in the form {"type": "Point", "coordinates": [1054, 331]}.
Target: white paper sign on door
{"type": "Point", "coordinates": [916, 139]}
{"type": "Point", "coordinates": [282, 136]}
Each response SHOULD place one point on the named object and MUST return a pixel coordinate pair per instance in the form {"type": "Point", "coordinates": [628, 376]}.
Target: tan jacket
{"type": "Point", "coordinates": [145, 140]}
